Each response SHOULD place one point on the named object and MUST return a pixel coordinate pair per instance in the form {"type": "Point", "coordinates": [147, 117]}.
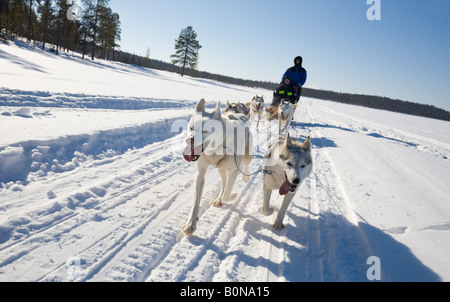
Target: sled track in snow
{"type": "Point", "coordinates": [377, 130]}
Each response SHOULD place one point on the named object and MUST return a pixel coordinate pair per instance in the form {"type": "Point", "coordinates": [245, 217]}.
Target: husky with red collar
{"type": "Point", "coordinates": [214, 139]}
{"type": "Point", "coordinates": [287, 164]}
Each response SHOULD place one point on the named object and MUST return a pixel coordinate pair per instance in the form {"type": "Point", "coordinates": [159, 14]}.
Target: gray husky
{"type": "Point", "coordinates": [256, 109]}
{"type": "Point", "coordinates": [287, 163]}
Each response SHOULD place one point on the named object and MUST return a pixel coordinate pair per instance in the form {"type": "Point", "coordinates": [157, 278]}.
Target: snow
{"type": "Point", "coordinates": [93, 186]}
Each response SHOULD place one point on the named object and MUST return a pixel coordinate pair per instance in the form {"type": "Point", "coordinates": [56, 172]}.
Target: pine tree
{"type": "Point", "coordinates": [98, 8]}
{"type": "Point", "coordinates": [4, 6]}
{"type": "Point", "coordinates": [16, 18]}
{"type": "Point", "coordinates": [147, 58]}
{"type": "Point", "coordinates": [30, 21]}
{"type": "Point", "coordinates": [186, 49]}
{"type": "Point", "coordinates": [46, 11]}
{"type": "Point", "coordinates": [87, 20]}
{"type": "Point", "coordinates": [62, 22]}
{"type": "Point", "coordinates": [108, 31]}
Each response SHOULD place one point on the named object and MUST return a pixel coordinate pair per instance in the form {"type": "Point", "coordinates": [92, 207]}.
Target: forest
{"type": "Point", "coordinates": [92, 29]}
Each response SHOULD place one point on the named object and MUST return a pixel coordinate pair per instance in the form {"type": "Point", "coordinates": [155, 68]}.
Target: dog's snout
{"type": "Point", "coordinates": [296, 181]}
{"type": "Point", "coordinates": [190, 140]}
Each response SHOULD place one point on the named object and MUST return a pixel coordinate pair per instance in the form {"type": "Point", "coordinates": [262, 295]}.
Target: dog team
{"type": "Point", "coordinates": [223, 140]}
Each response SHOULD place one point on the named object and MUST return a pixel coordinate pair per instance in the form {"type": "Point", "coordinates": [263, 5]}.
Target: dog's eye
{"type": "Point", "coordinates": [289, 164]}
{"type": "Point", "coordinates": [303, 166]}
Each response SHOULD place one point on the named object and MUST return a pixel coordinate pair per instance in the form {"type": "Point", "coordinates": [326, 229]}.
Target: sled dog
{"type": "Point", "coordinates": [212, 140]}
{"type": "Point", "coordinates": [242, 111]}
{"type": "Point", "coordinates": [287, 163]}
{"type": "Point", "coordinates": [239, 112]}
{"type": "Point", "coordinates": [256, 108]}
{"type": "Point", "coordinates": [286, 112]}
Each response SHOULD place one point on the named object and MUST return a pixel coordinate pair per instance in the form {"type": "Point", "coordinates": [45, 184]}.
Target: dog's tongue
{"type": "Point", "coordinates": [287, 187]}
{"type": "Point", "coordinates": [187, 154]}
{"type": "Point", "coordinates": [192, 154]}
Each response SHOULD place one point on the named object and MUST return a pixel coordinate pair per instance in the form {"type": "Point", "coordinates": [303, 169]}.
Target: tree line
{"type": "Point", "coordinates": [89, 27]}
{"type": "Point", "coordinates": [370, 101]}
{"type": "Point", "coordinates": [379, 102]}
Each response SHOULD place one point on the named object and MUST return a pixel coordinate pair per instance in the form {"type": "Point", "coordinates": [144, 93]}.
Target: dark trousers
{"type": "Point", "coordinates": [299, 94]}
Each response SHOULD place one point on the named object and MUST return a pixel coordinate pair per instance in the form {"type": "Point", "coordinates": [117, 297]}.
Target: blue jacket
{"type": "Point", "coordinates": [297, 74]}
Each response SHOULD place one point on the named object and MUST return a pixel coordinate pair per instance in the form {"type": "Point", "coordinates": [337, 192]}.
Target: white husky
{"type": "Point", "coordinates": [212, 141]}
{"type": "Point", "coordinates": [286, 112]}
{"type": "Point", "coordinates": [256, 108]}
{"type": "Point", "coordinates": [287, 163]}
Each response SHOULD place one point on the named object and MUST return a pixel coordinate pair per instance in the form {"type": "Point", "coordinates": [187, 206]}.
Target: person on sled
{"type": "Point", "coordinates": [298, 76]}
{"type": "Point", "coordinates": [284, 91]}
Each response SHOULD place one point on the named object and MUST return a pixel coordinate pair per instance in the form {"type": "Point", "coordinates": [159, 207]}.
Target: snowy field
{"type": "Point", "coordinates": [93, 186]}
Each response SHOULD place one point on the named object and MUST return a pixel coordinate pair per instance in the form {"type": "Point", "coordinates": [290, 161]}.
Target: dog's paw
{"type": "Point", "coordinates": [189, 229]}
{"type": "Point", "coordinates": [217, 203]}
{"type": "Point", "coordinates": [266, 212]}
{"type": "Point", "coordinates": [233, 196]}
{"type": "Point", "coordinates": [278, 226]}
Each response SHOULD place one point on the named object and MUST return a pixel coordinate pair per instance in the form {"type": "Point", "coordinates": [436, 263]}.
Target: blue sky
{"type": "Point", "coordinates": [405, 55]}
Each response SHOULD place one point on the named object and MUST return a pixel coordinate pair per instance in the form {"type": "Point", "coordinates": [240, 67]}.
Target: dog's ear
{"type": "Point", "coordinates": [201, 106]}
{"type": "Point", "coordinates": [216, 112]}
{"type": "Point", "coordinates": [287, 141]}
{"type": "Point", "coordinates": [307, 144]}
{"type": "Point", "coordinates": [227, 105]}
